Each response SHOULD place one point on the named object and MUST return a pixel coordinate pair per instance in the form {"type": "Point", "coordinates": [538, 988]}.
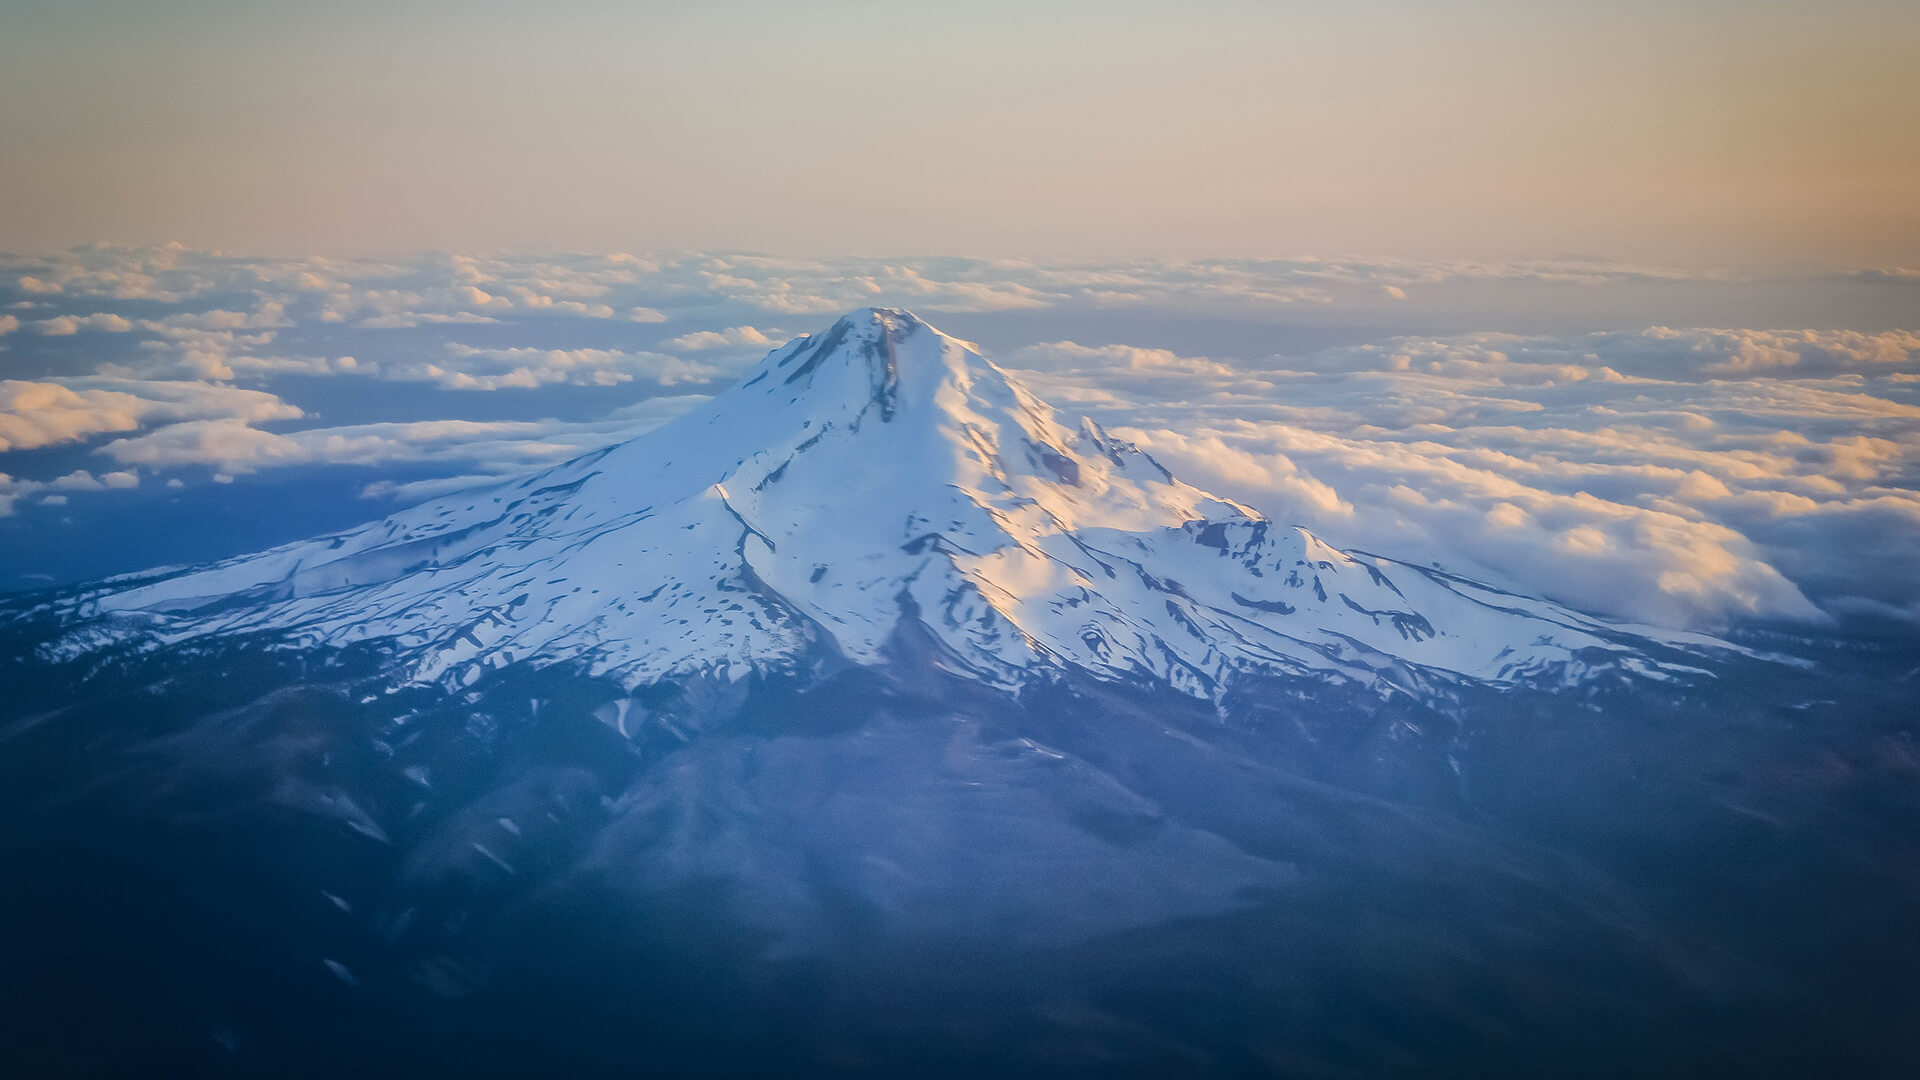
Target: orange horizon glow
{"type": "Point", "coordinates": [1693, 134]}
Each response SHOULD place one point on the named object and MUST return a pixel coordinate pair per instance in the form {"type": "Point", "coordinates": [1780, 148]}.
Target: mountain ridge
{"type": "Point", "coordinates": [875, 474]}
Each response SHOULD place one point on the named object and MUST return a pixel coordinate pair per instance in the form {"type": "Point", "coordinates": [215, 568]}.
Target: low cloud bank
{"type": "Point", "coordinates": [1681, 476]}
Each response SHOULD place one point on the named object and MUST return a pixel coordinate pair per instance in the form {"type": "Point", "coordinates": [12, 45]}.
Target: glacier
{"type": "Point", "coordinates": [871, 719]}
{"type": "Point", "coordinates": [878, 475]}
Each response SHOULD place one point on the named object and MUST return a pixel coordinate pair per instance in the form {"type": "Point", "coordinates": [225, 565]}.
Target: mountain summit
{"type": "Point", "coordinates": [869, 720]}
{"type": "Point", "coordinates": [875, 480]}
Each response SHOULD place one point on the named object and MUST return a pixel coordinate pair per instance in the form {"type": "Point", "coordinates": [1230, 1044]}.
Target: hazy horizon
{"type": "Point", "coordinates": [1691, 134]}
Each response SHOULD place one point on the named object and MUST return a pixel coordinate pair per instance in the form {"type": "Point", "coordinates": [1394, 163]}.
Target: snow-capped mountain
{"type": "Point", "coordinates": [876, 478]}
{"type": "Point", "coordinates": [868, 715]}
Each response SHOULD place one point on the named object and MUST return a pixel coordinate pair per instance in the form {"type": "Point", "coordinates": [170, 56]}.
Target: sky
{"type": "Point", "coordinates": [1695, 133]}
{"type": "Point", "coordinates": [1615, 304]}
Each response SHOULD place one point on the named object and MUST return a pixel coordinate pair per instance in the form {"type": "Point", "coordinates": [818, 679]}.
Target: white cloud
{"type": "Point", "coordinates": [1674, 474]}
{"type": "Point", "coordinates": [64, 325]}
{"type": "Point", "coordinates": [416, 490]}
{"type": "Point", "coordinates": [424, 290]}
{"type": "Point", "coordinates": [35, 414]}
{"type": "Point", "coordinates": [297, 365]}
{"type": "Point", "coordinates": [465, 367]}
{"type": "Point", "coordinates": [1892, 275]}
{"type": "Point", "coordinates": [1422, 501]}
{"type": "Point", "coordinates": [407, 320]}
{"type": "Point", "coordinates": [655, 411]}
{"type": "Point", "coordinates": [267, 313]}
{"type": "Point", "coordinates": [732, 336]}
{"type": "Point", "coordinates": [82, 480]}
{"type": "Point", "coordinates": [1623, 473]}
{"type": "Point", "coordinates": [12, 489]}
{"type": "Point", "coordinates": [1660, 353]}
{"type": "Point", "coordinates": [1098, 360]}
{"type": "Point", "coordinates": [496, 447]}
{"type": "Point", "coordinates": [232, 444]}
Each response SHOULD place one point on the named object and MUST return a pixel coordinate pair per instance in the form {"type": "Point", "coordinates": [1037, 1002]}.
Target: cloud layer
{"type": "Point", "coordinates": [1683, 477]}
{"type": "Point", "coordinates": [1670, 474]}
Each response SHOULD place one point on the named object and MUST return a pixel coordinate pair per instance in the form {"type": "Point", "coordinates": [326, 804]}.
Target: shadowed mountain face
{"type": "Point", "coordinates": [869, 720]}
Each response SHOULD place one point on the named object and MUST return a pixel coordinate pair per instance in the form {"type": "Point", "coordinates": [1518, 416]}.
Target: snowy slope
{"type": "Point", "coordinates": [876, 473]}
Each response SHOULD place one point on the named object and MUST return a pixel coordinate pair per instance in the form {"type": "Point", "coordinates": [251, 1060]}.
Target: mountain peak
{"type": "Point", "coordinates": [874, 360]}
{"type": "Point", "coordinates": [874, 476]}
{"type": "Point", "coordinates": [871, 334]}
{"type": "Point", "coordinates": [893, 320]}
